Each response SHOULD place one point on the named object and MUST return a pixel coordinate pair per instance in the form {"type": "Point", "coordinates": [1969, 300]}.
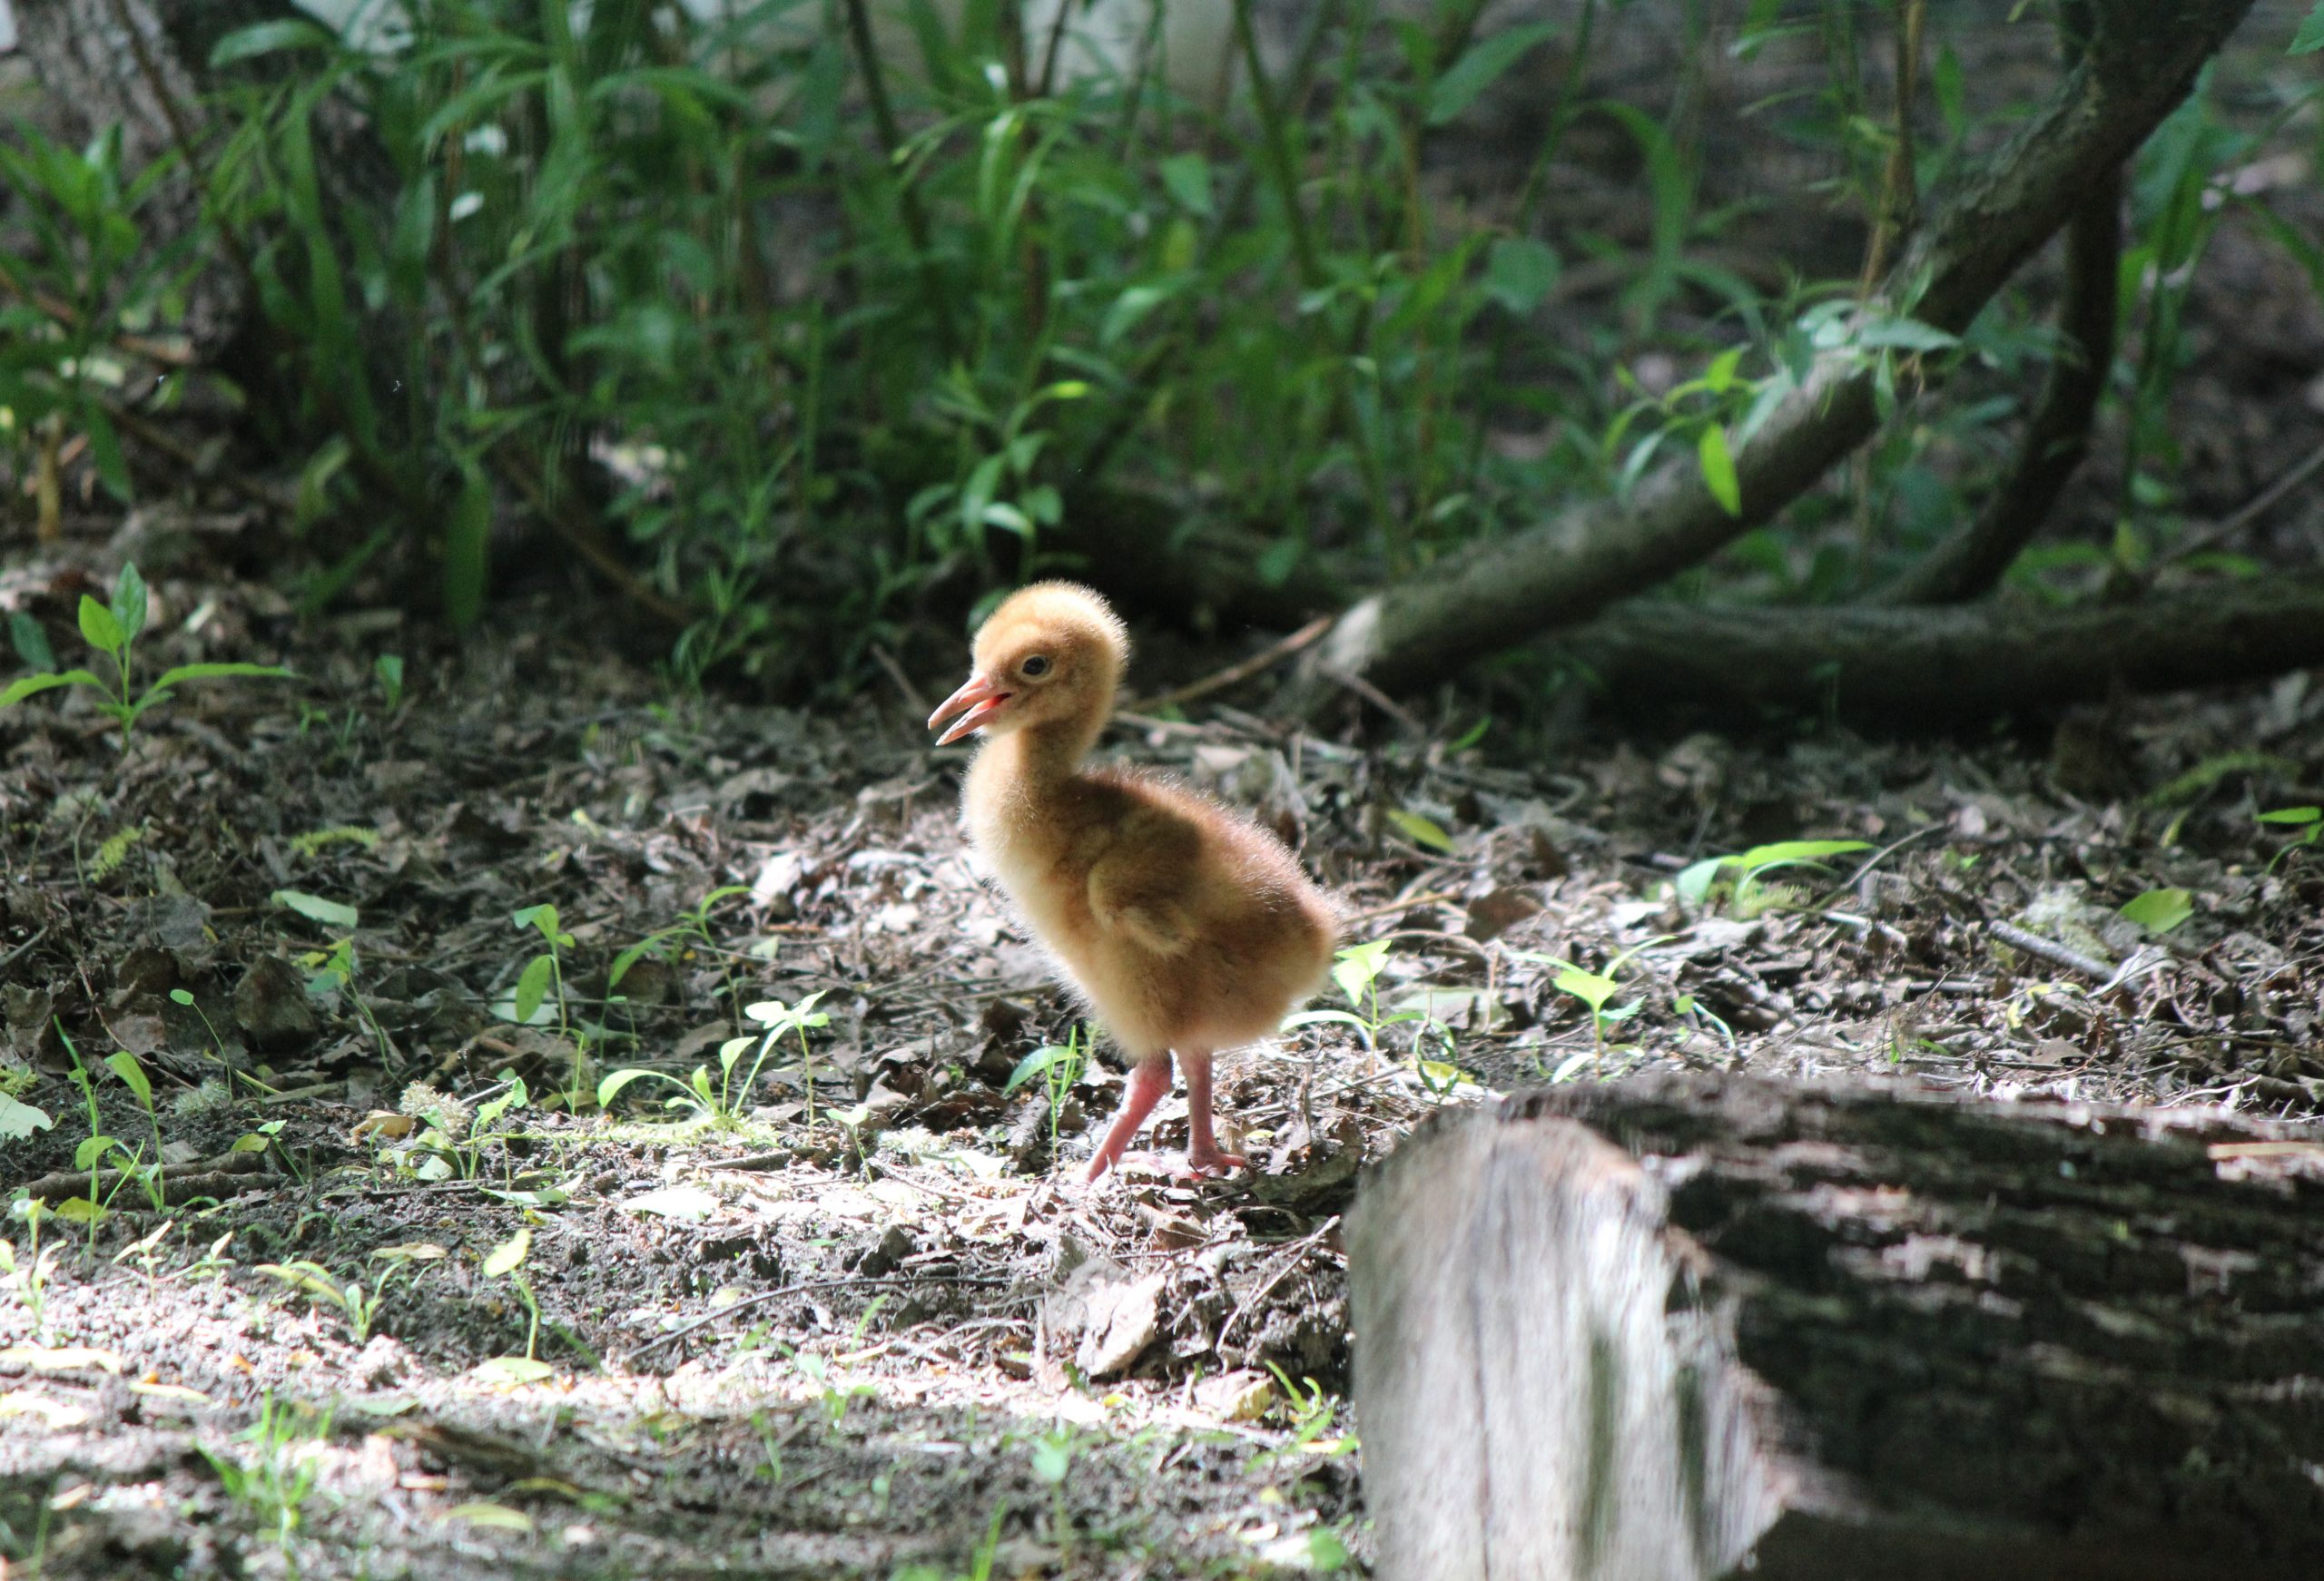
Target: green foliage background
{"type": "Point", "coordinates": [834, 314]}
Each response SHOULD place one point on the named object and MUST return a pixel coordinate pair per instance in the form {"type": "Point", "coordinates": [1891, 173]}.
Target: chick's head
{"type": "Point", "coordinates": [1052, 653]}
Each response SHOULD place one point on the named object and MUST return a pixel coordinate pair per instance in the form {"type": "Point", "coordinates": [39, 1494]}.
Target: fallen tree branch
{"type": "Point", "coordinates": [1485, 598]}
{"type": "Point", "coordinates": [1913, 666]}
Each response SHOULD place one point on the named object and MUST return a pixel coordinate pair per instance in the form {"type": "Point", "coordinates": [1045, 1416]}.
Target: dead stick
{"type": "Point", "coordinates": [2050, 951]}
{"type": "Point", "coordinates": [1236, 675]}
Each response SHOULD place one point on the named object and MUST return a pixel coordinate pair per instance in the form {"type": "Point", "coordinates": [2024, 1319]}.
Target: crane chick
{"type": "Point", "coordinates": [1183, 926]}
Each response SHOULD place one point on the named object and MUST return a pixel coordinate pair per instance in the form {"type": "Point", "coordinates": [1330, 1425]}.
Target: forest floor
{"type": "Point", "coordinates": [854, 1318]}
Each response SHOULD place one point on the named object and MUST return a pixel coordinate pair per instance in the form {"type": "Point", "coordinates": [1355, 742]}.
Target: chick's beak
{"type": "Point", "coordinates": [975, 702]}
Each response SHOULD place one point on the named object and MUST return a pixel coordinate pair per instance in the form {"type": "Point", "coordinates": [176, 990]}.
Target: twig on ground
{"type": "Point", "coordinates": [2244, 515]}
{"type": "Point", "coordinates": [802, 1288]}
{"type": "Point", "coordinates": [2056, 954]}
{"type": "Point", "coordinates": [887, 661]}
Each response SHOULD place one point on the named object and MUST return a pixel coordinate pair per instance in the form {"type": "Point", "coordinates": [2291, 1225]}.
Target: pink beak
{"type": "Point", "coordinates": [975, 702]}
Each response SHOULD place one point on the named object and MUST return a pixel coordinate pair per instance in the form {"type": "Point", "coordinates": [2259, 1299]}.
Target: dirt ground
{"type": "Point", "coordinates": [856, 1323]}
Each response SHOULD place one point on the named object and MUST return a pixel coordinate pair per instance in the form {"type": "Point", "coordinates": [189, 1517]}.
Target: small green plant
{"type": "Point", "coordinates": [2308, 820]}
{"type": "Point", "coordinates": [1052, 1464]}
{"type": "Point", "coordinates": [113, 629]}
{"type": "Point", "coordinates": [2158, 910]}
{"type": "Point", "coordinates": [77, 270]}
{"type": "Point", "coordinates": [387, 674]}
{"type": "Point", "coordinates": [1594, 989]}
{"type": "Point", "coordinates": [29, 1274]}
{"type": "Point", "coordinates": [123, 1064]}
{"type": "Point", "coordinates": [696, 926]}
{"type": "Point", "coordinates": [1312, 1411]}
{"type": "Point", "coordinates": [545, 972]}
{"type": "Point", "coordinates": [723, 1102]}
{"type": "Point", "coordinates": [351, 1299]}
{"type": "Point", "coordinates": [146, 1252]}
{"type": "Point", "coordinates": [981, 1566]}
{"type": "Point", "coordinates": [1356, 969]}
{"type": "Point", "coordinates": [98, 1147]}
{"type": "Point", "coordinates": [1059, 1065]}
{"type": "Point", "coordinates": [506, 1260]}
{"type": "Point", "coordinates": [1708, 882]}
{"type": "Point", "coordinates": [275, 1480]}
{"type": "Point", "coordinates": [835, 1401]}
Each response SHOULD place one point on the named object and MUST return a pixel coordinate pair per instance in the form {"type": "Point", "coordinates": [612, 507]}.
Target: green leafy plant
{"type": "Point", "coordinates": [506, 1260]}
{"type": "Point", "coordinates": [2308, 820]}
{"type": "Point", "coordinates": [29, 1273]}
{"type": "Point", "coordinates": [80, 271]}
{"type": "Point", "coordinates": [351, 1299]}
{"type": "Point", "coordinates": [387, 674]}
{"type": "Point", "coordinates": [1356, 971]}
{"type": "Point", "coordinates": [1595, 990]}
{"type": "Point", "coordinates": [543, 974]}
{"type": "Point", "coordinates": [113, 629]}
{"type": "Point", "coordinates": [278, 1473]}
{"type": "Point", "coordinates": [1743, 889]}
{"type": "Point", "coordinates": [835, 1401]}
{"type": "Point", "coordinates": [1059, 1065]}
{"type": "Point", "coordinates": [2158, 910]}
{"type": "Point", "coordinates": [724, 1102]}
{"type": "Point", "coordinates": [694, 926]}
{"type": "Point", "coordinates": [1053, 1465]}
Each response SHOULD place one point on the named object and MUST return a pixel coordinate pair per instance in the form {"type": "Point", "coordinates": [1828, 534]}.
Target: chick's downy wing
{"type": "Point", "coordinates": [1142, 884]}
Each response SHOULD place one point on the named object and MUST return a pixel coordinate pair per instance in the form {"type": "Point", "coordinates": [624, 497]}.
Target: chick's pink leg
{"type": "Point", "coordinates": [1202, 1156]}
{"type": "Point", "coordinates": [1148, 1080]}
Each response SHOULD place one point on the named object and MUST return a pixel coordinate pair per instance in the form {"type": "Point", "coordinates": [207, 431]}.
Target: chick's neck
{"type": "Point", "coordinates": [1045, 754]}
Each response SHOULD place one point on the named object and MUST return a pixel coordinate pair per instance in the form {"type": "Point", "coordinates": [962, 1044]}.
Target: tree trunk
{"type": "Point", "coordinates": [2142, 57]}
{"type": "Point", "coordinates": [1656, 1330]}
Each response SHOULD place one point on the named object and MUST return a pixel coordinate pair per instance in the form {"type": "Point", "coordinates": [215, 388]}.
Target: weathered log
{"type": "Point", "coordinates": [2141, 59]}
{"type": "Point", "coordinates": [1939, 665]}
{"type": "Point", "coordinates": [1655, 1331]}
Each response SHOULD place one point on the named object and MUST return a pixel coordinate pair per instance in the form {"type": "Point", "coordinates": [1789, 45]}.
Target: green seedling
{"type": "Point", "coordinates": [2308, 820]}
{"type": "Point", "coordinates": [1356, 970]}
{"type": "Point", "coordinates": [1312, 1411]}
{"type": "Point", "coordinates": [349, 1299]}
{"type": "Point", "coordinates": [1706, 883]}
{"type": "Point", "coordinates": [113, 629]}
{"type": "Point", "coordinates": [29, 1274]}
{"type": "Point", "coordinates": [545, 972]}
{"type": "Point", "coordinates": [980, 1567]}
{"type": "Point", "coordinates": [387, 674]}
{"type": "Point", "coordinates": [146, 1252]}
{"type": "Point", "coordinates": [2158, 910]}
{"type": "Point", "coordinates": [1059, 1065]}
{"type": "Point", "coordinates": [506, 1260]}
{"type": "Point", "coordinates": [835, 1400]}
{"type": "Point", "coordinates": [724, 1102]}
{"type": "Point", "coordinates": [275, 1480]}
{"type": "Point", "coordinates": [98, 1147]}
{"type": "Point", "coordinates": [1693, 1009]}
{"type": "Point", "coordinates": [1052, 1462]}
{"type": "Point", "coordinates": [1594, 989]}
{"type": "Point", "coordinates": [123, 1064]}
{"type": "Point", "coordinates": [694, 925]}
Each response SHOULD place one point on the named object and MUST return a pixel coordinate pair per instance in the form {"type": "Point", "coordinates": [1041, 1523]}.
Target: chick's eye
{"type": "Point", "coordinates": [1034, 668]}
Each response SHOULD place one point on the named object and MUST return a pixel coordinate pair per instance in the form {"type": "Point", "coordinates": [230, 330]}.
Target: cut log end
{"type": "Point", "coordinates": [1840, 1334]}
